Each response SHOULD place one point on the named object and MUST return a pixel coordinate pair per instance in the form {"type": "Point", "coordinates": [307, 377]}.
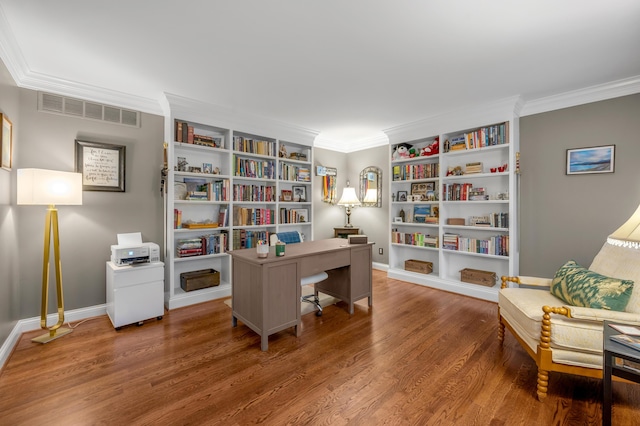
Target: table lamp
{"type": "Point", "coordinates": [349, 200]}
{"type": "Point", "coordinates": [49, 187]}
{"type": "Point", "coordinates": [628, 235]}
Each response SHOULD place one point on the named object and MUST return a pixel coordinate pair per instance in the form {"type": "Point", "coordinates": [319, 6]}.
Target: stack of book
{"type": "Point", "coordinates": [450, 241]}
{"type": "Point", "coordinates": [471, 168]}
{"type": "Point", "coordinates": [189, 247]}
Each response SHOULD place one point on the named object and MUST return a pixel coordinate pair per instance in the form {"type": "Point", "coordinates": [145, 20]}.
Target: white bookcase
{"type": "Point", "coordinates": [468, 186]}
{"type": "Point", "coordinates": [244, 174]}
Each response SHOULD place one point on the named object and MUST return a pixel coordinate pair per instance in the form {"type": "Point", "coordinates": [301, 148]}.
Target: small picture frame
{"type": "Point", "coordinates": [102, 166]}
{"type": "Point", "coordinates": [207, 168]}
{"type": "Point", "coordinates": [299, 193]}
{"type": "Point", "coordinates": [402, 196]}
{"type": "Point", "coordinates": [6, 139]}
{"type": "Point", "coordinates": [419, 190]}
{"type": "Point", "coordinates": [397, 219]}
{"type": "Point", "coordinates": [286, 195]}
{"type": "Point", "coordinates": [195, 169]}
{"type": "Point", "coordinates": [597, 159]}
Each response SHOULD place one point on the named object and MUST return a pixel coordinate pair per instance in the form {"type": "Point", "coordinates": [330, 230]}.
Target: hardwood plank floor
{"type": "Point", "coordinates": [418, 357]}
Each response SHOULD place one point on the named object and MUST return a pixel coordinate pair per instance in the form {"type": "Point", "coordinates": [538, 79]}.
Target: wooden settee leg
{"type": "Point", "coordinates": [500, 329]}
{"type": "Point", "coordinates": [543, 384]}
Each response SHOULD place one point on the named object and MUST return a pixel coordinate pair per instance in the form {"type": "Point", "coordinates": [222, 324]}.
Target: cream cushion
{"type": "Point", "coordinates": [573, 341]}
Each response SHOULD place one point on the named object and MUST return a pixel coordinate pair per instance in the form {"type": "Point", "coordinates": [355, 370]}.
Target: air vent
{"type": "Point", "coordinates": [78, 108]}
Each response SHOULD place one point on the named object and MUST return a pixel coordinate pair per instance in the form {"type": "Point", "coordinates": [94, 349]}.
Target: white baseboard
{"type": "Point", "coordinates": [380, 266]}
{"type": "Point", "coordinates": [31, 324]}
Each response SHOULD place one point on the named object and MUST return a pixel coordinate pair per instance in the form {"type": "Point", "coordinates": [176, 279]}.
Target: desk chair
{"type": "Point", "coordinates": [292, 237]}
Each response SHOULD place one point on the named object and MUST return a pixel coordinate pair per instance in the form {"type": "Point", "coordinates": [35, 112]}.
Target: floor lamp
{"type": "Point", "coordinates": [349, 200]}
{"type": "Point", "coordinates": [49, 187]}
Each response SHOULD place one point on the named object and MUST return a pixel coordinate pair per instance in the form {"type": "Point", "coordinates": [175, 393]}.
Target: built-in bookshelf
{"type": "Point", "coordinates": [231, 181]}
{"type": "Point", "coordinates": [456, 208]}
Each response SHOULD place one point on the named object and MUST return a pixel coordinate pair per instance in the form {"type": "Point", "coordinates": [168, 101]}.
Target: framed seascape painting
{"type": "Point", "coordinates": [598, 159]}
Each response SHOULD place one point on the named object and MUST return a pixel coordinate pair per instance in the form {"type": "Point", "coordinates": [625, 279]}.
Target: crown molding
{"type": "Point", "coordinates": [352, 146]}
{"type": "Point", "coordinates": [600, 92]}
{"type": "Point", "coordinates": [176, 106]}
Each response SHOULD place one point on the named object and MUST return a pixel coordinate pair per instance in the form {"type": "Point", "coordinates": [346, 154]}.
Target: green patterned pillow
{"type": "Point", "coordinates": [579, 286]}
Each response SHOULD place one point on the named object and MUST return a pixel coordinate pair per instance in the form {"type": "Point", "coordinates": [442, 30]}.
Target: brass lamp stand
{"type": "Point", "coordinates": [55, 331]}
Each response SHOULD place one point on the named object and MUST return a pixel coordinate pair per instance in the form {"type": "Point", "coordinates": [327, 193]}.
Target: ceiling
{"type": "Point", "coordinates": [347, 69]}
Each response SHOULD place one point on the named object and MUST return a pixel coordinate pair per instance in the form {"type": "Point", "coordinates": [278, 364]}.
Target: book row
{"type": "Point", "coordinates": [202, 190]}
{"type": "Point", "coordinates": [293, 215]}
{"type": "Point", "coordinates": [185, 133]}
{"type": "Point", "coordinates": [491, 220]}
{"type": "Point", "coordinates": [294, 173]}
{"type": "Point", "coordinates": [416, 171]}
{"type": "Point", "coordinates": [252, 216]}
{"type": "Point", "coordinates": [462, 192]}
{"type": "Point", "coordinates": [497, 245]}
{"type": "Point", "coordinates": [254, 146]}
{"type": "Point", "coordinates": [245, 238]}
{"type": "Point", "coordinates": [414, 239]}
{"type": "Point", "coordinates": [254, 192]}
{"type": "Point", "coordinates": [486, 136]}
{"type": "Point", "coordinates": [244, 167]}
{"type": "Point", "coordinates": [203, 245]}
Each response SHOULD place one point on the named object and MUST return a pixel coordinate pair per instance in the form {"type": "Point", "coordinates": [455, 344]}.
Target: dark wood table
{"type": "Point", "coordinates": [612, 350]}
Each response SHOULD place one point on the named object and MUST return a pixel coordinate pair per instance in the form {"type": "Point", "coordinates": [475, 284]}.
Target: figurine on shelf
{"type": "Point", "coordinates": [283, 151]}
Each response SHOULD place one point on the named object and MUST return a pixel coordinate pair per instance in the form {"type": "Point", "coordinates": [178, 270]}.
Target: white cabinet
{"type": "Point", "coordinates": [228, 185]}
{"type": "Point", "coordinates": [458, 207]}
{"type": "Point", "coordinates": [135, 293]}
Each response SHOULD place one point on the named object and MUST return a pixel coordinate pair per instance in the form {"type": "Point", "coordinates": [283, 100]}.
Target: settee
{"type": "Point", "coordinates": [562, 337]}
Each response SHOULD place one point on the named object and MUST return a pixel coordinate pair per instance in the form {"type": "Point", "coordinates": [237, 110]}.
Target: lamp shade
{"type": "Point", "coordinates": [628, 235]}
{"type": "Point", "coordinates": [349, 198]}
{"type": "Point", "coordinates": [49, 187]}
{"type": "Point", "coordinates": [371, 196]}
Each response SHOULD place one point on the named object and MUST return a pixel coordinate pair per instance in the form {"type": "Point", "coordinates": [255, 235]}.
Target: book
{"type": "Point", "coordinates": [625, 363]}
{"type": "Point", "coordinates": [629, 341]}
{"type": "Point", "coordinates": [626, 329]}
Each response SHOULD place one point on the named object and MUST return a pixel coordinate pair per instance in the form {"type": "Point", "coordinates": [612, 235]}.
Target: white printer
{"type": "Point", "coordinates": [130, 250]}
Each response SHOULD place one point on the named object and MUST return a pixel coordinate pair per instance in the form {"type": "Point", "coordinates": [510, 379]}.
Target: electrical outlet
{"type": "Point", "coordinates": [380, 250]}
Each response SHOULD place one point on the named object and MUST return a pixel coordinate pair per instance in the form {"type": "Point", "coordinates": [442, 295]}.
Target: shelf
{"type": "Point", "coordinates": [501, 125]}
{"type": "Point", "coordinates": [211, 125]}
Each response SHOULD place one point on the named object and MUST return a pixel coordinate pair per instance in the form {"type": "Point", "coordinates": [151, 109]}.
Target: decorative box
{"type": "Point", "coordinates": [455, 221]}
{"type": "Point", "coordinates": [477, 276]}
{"type": "Point", "coordinates": [420, 266]}
{"type": "Point", "coordinates": [196, 280]}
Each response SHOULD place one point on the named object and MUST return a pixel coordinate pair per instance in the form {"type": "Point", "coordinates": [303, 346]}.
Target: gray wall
{"type": "Point", "coordinates": [86, 232]}
{"type": "Point", "coordinates": [372, 221]}
{"type": "Point", "coordinates": [9, 283]}
{"type": "Point", "coordinates": [569, 217]}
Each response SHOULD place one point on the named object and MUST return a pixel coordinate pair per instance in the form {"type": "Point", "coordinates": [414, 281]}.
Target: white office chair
{"type": "Point", "coordinates": [292, 237]}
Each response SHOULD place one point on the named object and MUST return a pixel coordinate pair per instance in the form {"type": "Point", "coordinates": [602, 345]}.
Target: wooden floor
{"type": "Point", "coordinates": [418, 357]}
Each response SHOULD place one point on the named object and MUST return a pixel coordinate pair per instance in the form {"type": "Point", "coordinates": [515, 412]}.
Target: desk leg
{"type": "Point", "coordinates": [264, 342]}
{"type": "Point", "coordinates": [607, 390]}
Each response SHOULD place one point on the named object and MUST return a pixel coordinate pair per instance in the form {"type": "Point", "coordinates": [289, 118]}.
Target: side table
{"type": "Point", "coordinates": [610, 351]}
{"type": "Point", "coordinates": [344, 232]}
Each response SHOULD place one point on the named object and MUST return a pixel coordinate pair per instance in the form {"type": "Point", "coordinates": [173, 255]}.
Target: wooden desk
{"type": "Point", "coordinates": [345, 232]}
{"type": "Point", "coordinates": [266, 292]}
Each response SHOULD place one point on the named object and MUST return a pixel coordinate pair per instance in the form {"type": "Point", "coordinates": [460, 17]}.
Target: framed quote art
{"type": "Point", "coordinates": [102, 166]}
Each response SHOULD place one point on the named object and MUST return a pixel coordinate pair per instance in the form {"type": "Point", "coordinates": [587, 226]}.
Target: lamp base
{"type": "Point", "coordinates": [46, 338]}
{"type": "Point", "coordinates": [348, 225]}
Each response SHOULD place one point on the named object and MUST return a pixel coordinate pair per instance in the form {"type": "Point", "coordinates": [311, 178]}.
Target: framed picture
{"type": "Point", "coordinates": [6, 136]}
{"type": "Point", "coordinates": [402, 195]}
{"type": "Point", "coordinates": [102, 166]}
{"type": "Point", "coordinates": [431, 186]}
{"type": "Point", "coordinates": [598, 159]}
{"type": "Point", "coordinates": [207, 168]}
{"type": "Point", "coordinates": [299, 193]}
{"type": "Point", "coordinates": [286, 195]}
{"type": "Point", "coordinates": [300, 215]}
{"type": "Point", "coordinates": [397, 219]}
{"type": "Point", "coordinates": [419, 189]}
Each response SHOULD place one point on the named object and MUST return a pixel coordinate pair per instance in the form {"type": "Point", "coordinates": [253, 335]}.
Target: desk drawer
{"type": "Point", "coordinates": [323, 262]}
